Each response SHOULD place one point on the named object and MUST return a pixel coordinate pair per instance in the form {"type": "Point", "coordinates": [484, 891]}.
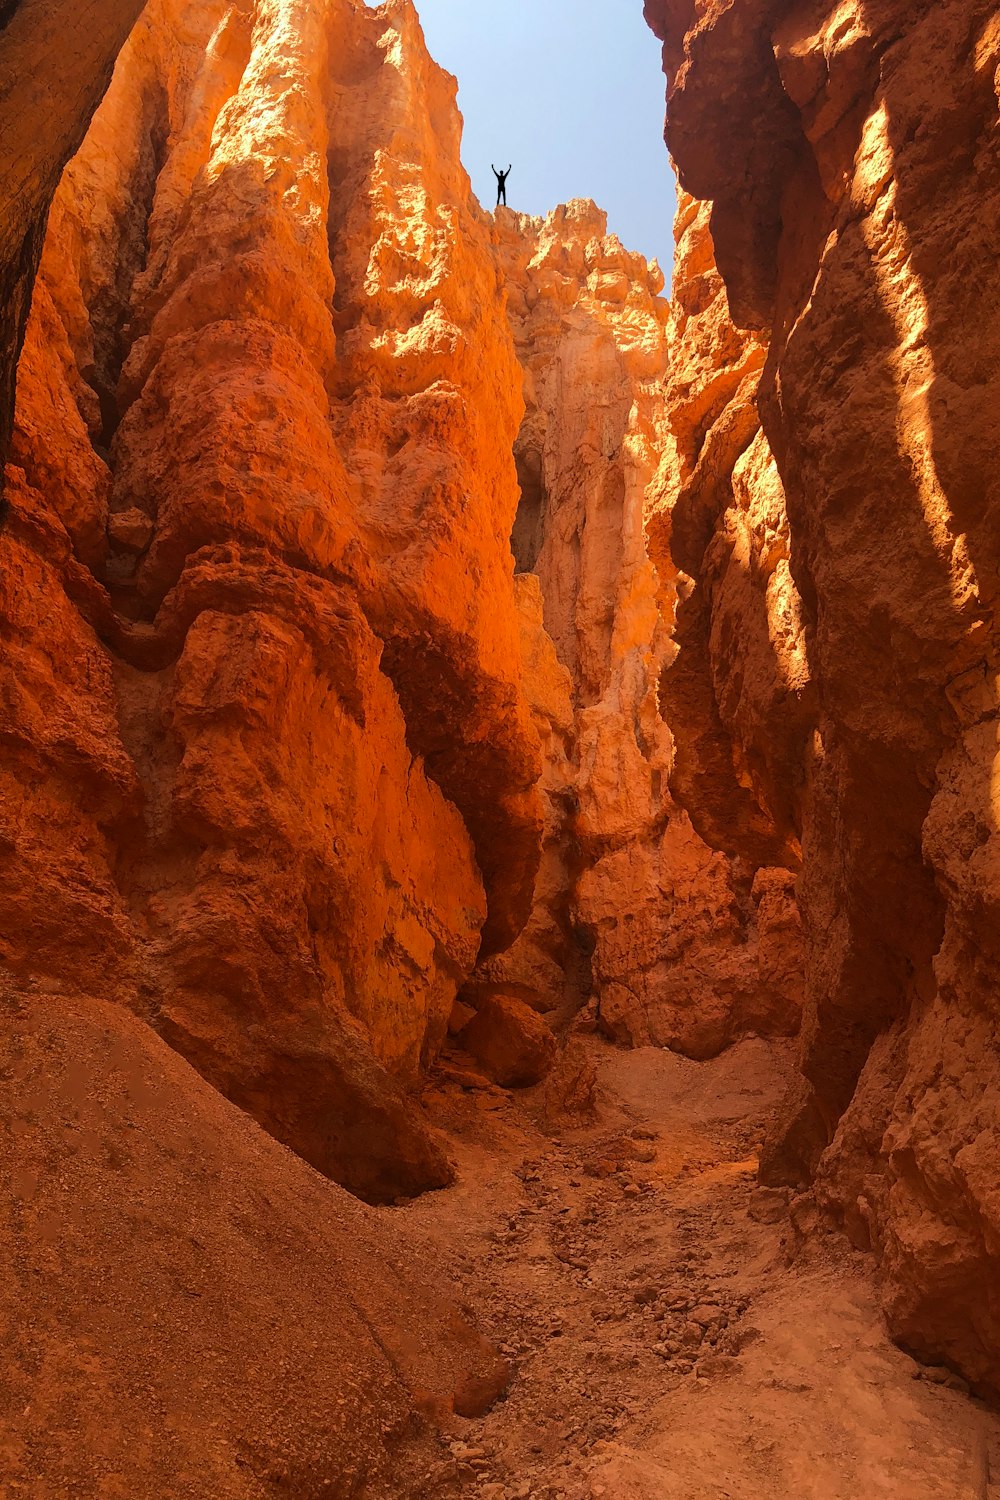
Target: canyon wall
{"type": "Point", "coordinates": [44, 113]}
{"type": "Point", "coordinates": [679, 944]}
{"type": "Point", "coordinates": [270, 775]}
{"type": "Point", "coordinates": [274, 702]}
{"type": "Point", "coordinates": [836, 515]}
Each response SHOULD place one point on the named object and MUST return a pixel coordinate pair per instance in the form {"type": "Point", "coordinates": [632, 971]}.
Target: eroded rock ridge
{"type": "Point", "coordinates": [273, 769]}
{"type": "Point", "coordinates": [834, 509]}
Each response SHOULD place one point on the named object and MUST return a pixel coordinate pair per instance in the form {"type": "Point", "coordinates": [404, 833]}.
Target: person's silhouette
{"type": "Point", "coordinates": [501, 178]}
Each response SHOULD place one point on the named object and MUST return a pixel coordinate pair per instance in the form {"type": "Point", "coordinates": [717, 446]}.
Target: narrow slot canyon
{"type": "Point", "coordinates": [498, 770]}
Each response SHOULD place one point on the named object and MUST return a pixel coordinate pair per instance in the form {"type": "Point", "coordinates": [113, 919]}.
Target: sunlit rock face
{"type": "Point", "coordinates": [680, 944]}
{"type": "Point", "coordinates": [55, 64]}
{"type": "Point", "coordinates": [271, 775]}
{"type": "Point", "coordinates": [850, 157]}
{"type": "Point", "coordinates": [298, 750]}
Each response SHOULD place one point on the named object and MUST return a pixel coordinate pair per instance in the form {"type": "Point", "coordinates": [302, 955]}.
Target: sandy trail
{"type": "Point", "coordinates": [667, 1345]}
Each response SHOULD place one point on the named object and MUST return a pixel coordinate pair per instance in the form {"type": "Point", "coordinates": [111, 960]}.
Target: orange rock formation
{"type": "Point", "coordinates": [680, 945]}
{"type": "Point", "coordinates": [44, 113]}
{"type": "Point", "coordinates": [836, 512]}
{"type": "Point", "coordinates": [275, 697]}
{"type": "Point", "coordinates": [274, 776]}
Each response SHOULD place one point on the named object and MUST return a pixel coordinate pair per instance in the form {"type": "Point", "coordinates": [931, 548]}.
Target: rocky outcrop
{"type": "Point", "coordinates": [44, 113]}
{"type": "Point", "coordinates": [681, 945]}
{"type": "Point", "coordinates": [270, 777]}
{"type": "Point", "coordinates": [849, 154]}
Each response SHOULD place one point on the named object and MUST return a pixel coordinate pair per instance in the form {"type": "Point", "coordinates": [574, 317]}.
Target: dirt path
{"type": "Point", "coordinates": [665, 1347]}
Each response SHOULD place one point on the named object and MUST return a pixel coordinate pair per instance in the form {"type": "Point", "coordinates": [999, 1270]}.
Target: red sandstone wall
{"type": "Point", "coordinates": [271, 777]}
{"type": "Point", "coordinates": [44, 113]}
{"type": "Point", "coordinates": [850, 157]}
{"type": "Point", "coordinates": [681, 945]}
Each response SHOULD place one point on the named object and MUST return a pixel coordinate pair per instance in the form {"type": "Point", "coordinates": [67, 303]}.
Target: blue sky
{"type": "Point", "coordinates": [572, 94]}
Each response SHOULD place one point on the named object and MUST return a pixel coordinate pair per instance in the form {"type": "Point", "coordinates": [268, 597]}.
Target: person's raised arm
{"type": "Point", "coordinates": [495, 172]}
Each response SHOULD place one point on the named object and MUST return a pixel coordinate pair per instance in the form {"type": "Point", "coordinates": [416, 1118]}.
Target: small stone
{"type": "Point", "coordinates": [131, 530]}
{"type": "Point", "coordinates": [692, 1335]}
{"type": "Point", "coordinates": [768, 1205]}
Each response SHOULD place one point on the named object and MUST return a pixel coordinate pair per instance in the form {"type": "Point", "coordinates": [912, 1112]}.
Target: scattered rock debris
{"type": "Point", "coordinates": [637, 1279]}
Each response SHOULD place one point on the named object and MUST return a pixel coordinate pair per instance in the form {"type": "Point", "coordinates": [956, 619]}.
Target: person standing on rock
{"type": "Point", "coordinates": [501, 178]}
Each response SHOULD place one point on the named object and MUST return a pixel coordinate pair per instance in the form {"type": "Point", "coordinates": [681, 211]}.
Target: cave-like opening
{"type": "Point", "coordinates": [529, 524]}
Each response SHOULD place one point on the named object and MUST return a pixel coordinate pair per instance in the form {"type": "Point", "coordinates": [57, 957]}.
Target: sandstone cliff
{"type": "Point", "coordinates": [44, 113]}
{"type": "Point", "coordinates": [269, 781]}
{"type": "Point", "coordinates": [837, 513]}
{"type": "Point", "coordinates": [271, 777]}
{"type": "Point", "coordinates": [679, 944]}
{"type": "Point", "coordinates": [276, 707]}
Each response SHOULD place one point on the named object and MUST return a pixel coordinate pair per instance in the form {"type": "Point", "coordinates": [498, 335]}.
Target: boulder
{"type": "Point", "coordinates": [511, 1041]}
